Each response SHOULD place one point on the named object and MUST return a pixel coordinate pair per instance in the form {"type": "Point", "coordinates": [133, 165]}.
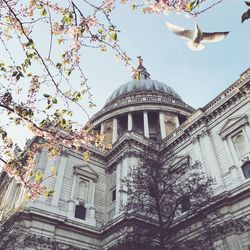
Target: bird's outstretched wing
{"type": "Point", "coordinates": [247, 3]}
{"type": "Point", "coordinates": [213, 36]}
{"type": "Point", "coordinates": [245, 16]}
{"type": "Point", "coordinates": [180, 31]}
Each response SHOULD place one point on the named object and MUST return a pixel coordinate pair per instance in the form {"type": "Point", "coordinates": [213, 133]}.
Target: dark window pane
{"type": "Point", "coordinates": [114, 195]}
{"type": "Point", "coordinates": [246, 169]}
{"type": "Point", "coordinates": [185, 204]}
{"type": "Point", "coordinates": [80, 212]}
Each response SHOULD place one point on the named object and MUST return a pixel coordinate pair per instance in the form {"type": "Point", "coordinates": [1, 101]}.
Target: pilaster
{"type": "Point", "coordinates": [236, 176]}
{"type": "Point", "coordinates": [212, 161]}
{"type": "Point", "coordinates": [125, 166]}
{"type": "Point", "coordinates": [47, 172]}
{"type": "Point", "coordinates": [118, 187]}
{"type": "Point", "coordinates": [59, 179]}
{"type": "Point", "coordinates": [71, 205]}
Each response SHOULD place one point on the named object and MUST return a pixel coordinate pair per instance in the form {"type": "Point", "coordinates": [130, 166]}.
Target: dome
{"type": "Point", "coordinates": [144, 85]}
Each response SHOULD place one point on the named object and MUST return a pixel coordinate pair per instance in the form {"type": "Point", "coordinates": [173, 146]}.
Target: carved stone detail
{"type": "Point", "coordinates": [40, 242]}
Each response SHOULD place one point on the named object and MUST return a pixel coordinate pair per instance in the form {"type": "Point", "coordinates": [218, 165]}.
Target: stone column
{"type": "Point", "coordinates": [145, 123]}
{"type": "Point", "coordinates": [177, 123]}
{"type": "Point", "coordinates": [162, 125]}
{"type": "Point", "coordinates": [102, 128]}
{"type": "Point", "coordinates": [130, 122]}
{"type": "Point", "coordinates": [114, 136]}
{"type": "Point", "coordinates": [59, 179]}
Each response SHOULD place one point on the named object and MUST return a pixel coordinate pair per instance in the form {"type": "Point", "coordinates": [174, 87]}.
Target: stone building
{"type": "Point", "coordinates": [85, 209]}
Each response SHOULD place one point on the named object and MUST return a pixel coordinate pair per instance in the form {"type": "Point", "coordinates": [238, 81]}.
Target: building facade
{"type": "Point", "coordinates": [85, 210]}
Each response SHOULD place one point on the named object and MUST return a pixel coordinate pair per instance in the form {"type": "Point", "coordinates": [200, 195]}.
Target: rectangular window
{"type": "Point", "coordinates": [246, 169]}
{"type": "Point", "coordinates": [80, 212]}
{"type": "Point", "coordinates": [113, 198]}
{"type": "Point", "coordinates": [185, 203]}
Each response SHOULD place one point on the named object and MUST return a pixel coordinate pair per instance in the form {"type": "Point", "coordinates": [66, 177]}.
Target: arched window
{"type": "Point", "coordinates": [80, 212]}
{"type": "Point", "coordinates": [246, 169]}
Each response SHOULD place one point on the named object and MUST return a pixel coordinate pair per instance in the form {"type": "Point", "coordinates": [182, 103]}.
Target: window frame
{"type": "Point", "coordinates": [113, 194]}
{"type": "Point", "coordinates": [247, 163]}
{"type": "Point", "coordinates": [81, 205]}
{"type": "Point", "coordinates": [87, 174]}
{"type": "Point", "coordinates": [232, 127]}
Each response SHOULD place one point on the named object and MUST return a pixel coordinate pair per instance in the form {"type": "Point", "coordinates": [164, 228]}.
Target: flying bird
{"type": "Point", "coordinates": [246, 14]}
{"type": "Point", "coordinates": [196, 37]}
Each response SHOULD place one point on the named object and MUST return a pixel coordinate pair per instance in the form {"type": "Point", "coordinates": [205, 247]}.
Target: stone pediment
{"type": "Point", "coordinates": [232, 124]}
{"type": "Point", "coordinates": [86, 170]}
{"type": "Point", "coordinates": [180, 160]}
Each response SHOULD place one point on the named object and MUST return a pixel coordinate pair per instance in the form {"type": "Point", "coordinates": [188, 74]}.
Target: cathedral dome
{"type": "Point", "coordinates": [147, 107]}
{"type": "Point", "coordinates": [142, 86]}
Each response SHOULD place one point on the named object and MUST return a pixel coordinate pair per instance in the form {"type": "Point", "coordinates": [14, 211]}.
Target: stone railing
{"type": "Point", "coordinates": [230, 91]}
{"type": "Point", "coordinates": [142, 99]}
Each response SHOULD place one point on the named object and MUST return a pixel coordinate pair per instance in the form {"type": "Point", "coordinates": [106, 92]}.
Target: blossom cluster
{"type": "Point", "coordinates": [47, 73]}
{"type": "Point", "coordinates": [167, 6]}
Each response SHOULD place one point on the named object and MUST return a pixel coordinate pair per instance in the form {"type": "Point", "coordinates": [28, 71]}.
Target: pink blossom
{"type": "Point", "coordinates": [108, 5]}
{"type": "Point", "coordinates": [75, 45]}
{"type": "Point", "coordinates": [76, 58]}
{"type": "Point", "coordinates": [73, 31]}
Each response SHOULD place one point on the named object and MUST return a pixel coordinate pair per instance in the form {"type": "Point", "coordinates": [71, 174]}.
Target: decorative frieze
{"type": "Point", "coordinates": [42, 242]}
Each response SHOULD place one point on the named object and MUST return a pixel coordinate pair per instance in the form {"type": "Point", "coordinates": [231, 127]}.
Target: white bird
{"type": "Point", "coordinates": [197, 37]}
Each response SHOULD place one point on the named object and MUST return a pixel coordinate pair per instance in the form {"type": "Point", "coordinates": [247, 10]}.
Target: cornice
{"type": "Point", "coordinates": [237, 92]}
{"type": "Point", "coordinates": [142, 99]}
{"type": "Point", "coordinates": [48, 242]}
{"type": "Point", "coordinates": [131, 143]}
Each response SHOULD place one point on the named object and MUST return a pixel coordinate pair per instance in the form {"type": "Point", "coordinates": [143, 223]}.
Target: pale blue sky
{"type": "Point", "coordinates": [196, 76]}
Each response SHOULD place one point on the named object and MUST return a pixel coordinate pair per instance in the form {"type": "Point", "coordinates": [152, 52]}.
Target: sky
{"type": "Point", "coordinates": [197, 77]}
